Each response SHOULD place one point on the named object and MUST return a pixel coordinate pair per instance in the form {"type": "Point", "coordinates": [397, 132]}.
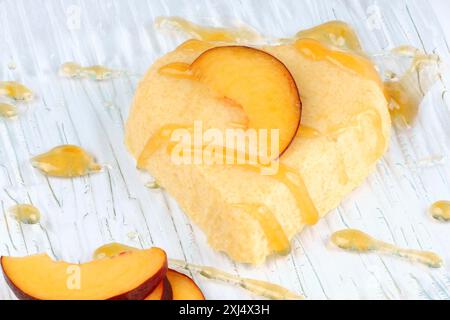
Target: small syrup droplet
{"type": "Point", "coordinates": [12, 65]}
{"type": "Point", "coordinates": [15, 90]}
{"type": "Point", "coordinates": [153, 185]}
{"type": "Point", "coordinates": [96, 72]}
{"type": "Point", "coordinates": [440, 210]}
{"type": "Point", "coordinates": [25, 213]}
{"type": "Point", "coordinates": [7, 110]}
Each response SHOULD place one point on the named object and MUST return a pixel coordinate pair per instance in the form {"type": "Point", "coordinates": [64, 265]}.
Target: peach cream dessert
{"type": "Point", "coordinates": [326, 102]}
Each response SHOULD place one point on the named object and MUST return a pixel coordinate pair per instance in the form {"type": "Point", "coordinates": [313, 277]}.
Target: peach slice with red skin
{"type": "Point", "coordinates": [183, 287]}
{"type": "Point", "coordinates": [162, 292]}
{"type": "Point", "coordinates": [260, 83]}
{"type": "Point", "coordinates": [129, 276]}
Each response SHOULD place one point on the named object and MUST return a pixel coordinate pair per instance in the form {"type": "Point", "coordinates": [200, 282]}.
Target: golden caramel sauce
{"type": "Point", "coordinates": [308, 132]}
{"type": "Point", "coordinates": [334, 33]}
{"type": "Point", "coordinates": [334, 41]}
{"type": "Point", "coordinates": [25, 213]}
{"type": "Point", "coordinates": [177, 70]}
{"type": "Point", "coordinates": [111, 250]}
{"type": "Point", "coordinates": [285, 175]}
{"type": "Point", "coordinates": [66, 161]}
{"type": "Point", "coordinates": [261, 288]}
{"type": "Point", "coordinates": [227, 35]}
{"type": "Point", "coordinates": [440, 210]}
{"type": "Point", "coordinates": [96, 72]}
{"type": "Point", "coordinates": [153, 185]}
{"type": "Point", "coordinates": [355, 240]}
{"type": "Point", "coordinates": [7, 110]}
{"type": "Point", "coordinates": [15, 90]}
{"type": "Point", "coordinates": [296, 185]}
{"type": "Point", "coordinates": [275, 235]}
{"type": "Point", "coordinates": [70, 69]}
{"type": "Point", "coordinates": [257, 287]}
{"type": "Point", "coordinates": [294, 181]}
{"type": "Point", "coordinates": [195, 45]}
{"type": "Point", "coordinates": [159, 138]}
{"type": "Point", "coordinates": [355, 63]}
{"type": "Point", "coordinates": [407, 91]}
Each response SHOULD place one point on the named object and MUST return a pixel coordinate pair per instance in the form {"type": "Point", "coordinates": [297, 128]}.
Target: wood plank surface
{"type": "Point", "coordinates": [79, 215]}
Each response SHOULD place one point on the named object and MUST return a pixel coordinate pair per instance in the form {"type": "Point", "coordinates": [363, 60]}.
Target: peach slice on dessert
{"type": "Point", "coordinates": [258, 82]}
{"type": "Point", "coordinates": [162, 292]}
{"type": "Point", "coordinates": [183, 287]}
{"type": "Point", "coordinates": [130, 276]}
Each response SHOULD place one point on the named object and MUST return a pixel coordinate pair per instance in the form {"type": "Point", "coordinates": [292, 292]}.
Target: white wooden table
{"type": "Point", "coordinates": [80, 214]}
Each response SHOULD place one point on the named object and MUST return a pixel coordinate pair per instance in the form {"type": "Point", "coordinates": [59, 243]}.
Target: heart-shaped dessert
{"type": "Point", "coordinates": [321, 122]}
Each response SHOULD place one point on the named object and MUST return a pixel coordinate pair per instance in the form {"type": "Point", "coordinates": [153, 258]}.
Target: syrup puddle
{"type": "Point", "coordinates": [153, 185]}
{"type": "Point", "coordinates": [227, 35]}
{"type": "Point", "coordinates": [25, 213]}
{"type": "Point", "coordinates": [15, 90]}
{"type": "Point", "coordinates": [276, 237]}
{"type": "Point", "coordinates": [440, 210]}
{"type": "Point", "coordinates": [96, 72]}
{"type": "Point", "coordinates": [7, 110]}
{"type": "Point", "coordinates": [407, 90]}
{"type": "Point", "coordinates": [257, 287]}
{"type": "Point", "coordinates": [334, 33]}
{"type": "Point", "coordinates": [358, 241]}
{"type": "Point", "coordinates": [66, 161]}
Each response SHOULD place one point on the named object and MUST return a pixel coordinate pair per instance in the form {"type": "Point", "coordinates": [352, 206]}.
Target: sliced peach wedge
{"type": "Point", "coordinates": [183, 287]}
{"type": "Point", "coordinates": [162, 292]}
{"type": "Point", "coordinates": [129, 276]}
{"type": "Point", "coordinates": [258, 82]}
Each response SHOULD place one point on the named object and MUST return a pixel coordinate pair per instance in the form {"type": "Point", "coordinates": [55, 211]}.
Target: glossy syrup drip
{"type": "Point", "coordinates": [352, 62]}
{"type": "Point", "coordinates": [153, 185]}
{"type": "Point", "coordinates": [308, 132]}
{"type": "Point", "coordinates": [177, 70]}
{"type": "Point", "coordinates": [7, 110]}
{"type": "Point", "coordinates": [15, 90]}
{"type": "Point", "coordinates": [285, 175]}
{"type": "Point", "coordinates": [296, 185]}
{"type": "Point", "coordinates": [440, 210]}
{"type": "Point", "coordinates": [227, 35]}
{"type": "Point", "coordinates": [96, 72]}
{"type": "Point", "coordinates": [257, 287]}
{"type": "Point", "coordinates": [334, 33]}
{"type": "Point", "coordinates": [275, 235]}
{"type": "Point", "coordinates": [407, 91]}
{"type": "Point", "coordinates": [66, 161]}
{"type": "Point", "coordinates": [195, 45]}
{"type": "Point", "coordinates": [355, 240]}
{"type": "Point", "coordinates": [25, 213]}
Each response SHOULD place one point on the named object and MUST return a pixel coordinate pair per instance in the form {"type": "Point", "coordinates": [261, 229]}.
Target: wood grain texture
{"type": "Point", "coordinates": [81, 214]}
